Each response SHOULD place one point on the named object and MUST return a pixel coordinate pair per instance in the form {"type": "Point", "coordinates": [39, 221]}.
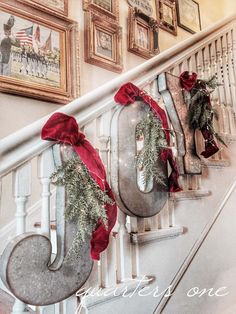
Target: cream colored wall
{"type": "Point", "coordinates": [17, 112]}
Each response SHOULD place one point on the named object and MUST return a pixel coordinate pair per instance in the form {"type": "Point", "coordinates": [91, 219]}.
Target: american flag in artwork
{"type": "Point", "coordinates": [25, 36]}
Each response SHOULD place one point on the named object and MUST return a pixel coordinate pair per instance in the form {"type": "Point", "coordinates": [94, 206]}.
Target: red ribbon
{"type": "Point", "coordinates": [64, 129]}
{"type": "Point", "coordinates": [128, 94]}
{"type": "Point", "coordinates": [189, 82]}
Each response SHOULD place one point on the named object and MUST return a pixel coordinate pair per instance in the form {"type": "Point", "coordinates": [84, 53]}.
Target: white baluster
{"type": "Point", "coordinates": [108, 265]}
{"type": "Point", "coordinates": [159, 221]}
{"type": "Point", "coordinates": [164, 214]}
{"type": "Point", "coordinates": [135, 249]}
{"type": "Point", "coordinates": [124, 264]}
{"type": "Point", "coordinates": [50, 309]}
{"type": "Point", "coordinates": [147, 223]}
{"type": "Point", "coordinates": [232, 121]}
{"type": "Point", "coordinates": [199, 63]}
{"type": "Point", "coordinates": [171, 210]}
{"type": "Point", "coordinates": [69, 305]}
{"type": "Point", "coordinates": [141, 225]}
{"type": "Point", "coordinates": [175, 70]}
{"type": "Point", "coordinates": [154, 93]}
{"type": "Point", "coordinates": [206, 62]}
{"type": "Point", "coordinates": [226, 129]}
{"type": "Point", "coordinates": [21, 192]}
{"type": "Point", "coordinates": [232, 74]}
{"type": "Point", "coordinates": [225, 65]}
{"type": "Point", "coordinates": [183, 66]}
{"type": "Point", "coordinates": [46, 167]}
{"type": "Point", "coordinates": [192, 63]}
{"type": "Point", "coordinates": [219, 61]}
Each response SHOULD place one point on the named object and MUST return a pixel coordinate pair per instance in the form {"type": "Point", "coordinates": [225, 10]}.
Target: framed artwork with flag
{"type": "Point", "coordinates": [38, 54]}
{"type": "Point", "coordinates": [59, 7]}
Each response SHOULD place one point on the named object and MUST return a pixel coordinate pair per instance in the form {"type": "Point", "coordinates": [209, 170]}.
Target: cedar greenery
{"type": "Point", "coordinates": [150, 128]}
{"type": "Point", "coordinates": [200, 112]}
{"type": "Point", "coordinates": [85, 200]}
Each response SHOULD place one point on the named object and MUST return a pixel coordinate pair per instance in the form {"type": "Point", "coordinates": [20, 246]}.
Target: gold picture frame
{"type": "Point", "coordinates": [59, 7]}
{"type": "Point", "coordinates": [188, 14]}
{"type": "Point", "coordinates": [142, 34]}
{"type": "Point", "coordinates": [103, 42]}
{"type": "Point", "coordinates": [109, 8]}
{"type": "Point", "coordinates": [41, 59]}
{"type": "Point", "coordinates": [167, 16]}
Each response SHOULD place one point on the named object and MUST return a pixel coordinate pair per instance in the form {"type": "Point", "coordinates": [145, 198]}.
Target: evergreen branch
{"type": "Point", "coordinates": [85, 200]}
{"type": "Point", "coordinates": [150, 129]}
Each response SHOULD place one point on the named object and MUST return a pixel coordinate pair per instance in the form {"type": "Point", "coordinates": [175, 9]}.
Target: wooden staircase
{"type": "Point", "coordinates": [21, 153]}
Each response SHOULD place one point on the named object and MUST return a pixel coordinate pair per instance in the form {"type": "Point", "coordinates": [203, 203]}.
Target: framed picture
{"type": "Point", "coordinates": [166, 15]}
{"type": "Point", "coordinates": [38, 54]}
{"type": "Point", "coordinates": [52, 6]}
{"type": "Point", "coordinates": [142, 34]}
{"type": "Point", "coordinates": [102, 43]}
{"type": "Point", "coordinates": [188, 14]}
{"type": "Point", "coordinates": [110, 8]}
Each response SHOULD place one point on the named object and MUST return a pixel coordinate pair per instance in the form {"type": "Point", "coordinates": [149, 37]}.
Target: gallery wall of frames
{"type": "Point", "coordinates": [40, 47]}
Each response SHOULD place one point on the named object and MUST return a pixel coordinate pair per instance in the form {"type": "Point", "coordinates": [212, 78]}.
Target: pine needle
{"type": "Point", "coordinates": [150, 128]}
{"type": "Point", "coordinates": [85, 200]}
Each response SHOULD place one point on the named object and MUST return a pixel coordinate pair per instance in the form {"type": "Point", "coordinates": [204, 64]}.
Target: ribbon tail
{"type": "Point", "coordinates": [100, 236]}
{"type": "Point", "coordinates": [173, 177]}
{"type": "Point", "coordinates": [210, 145]}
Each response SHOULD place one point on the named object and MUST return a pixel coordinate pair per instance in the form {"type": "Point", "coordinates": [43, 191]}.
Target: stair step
{"type": "Point", "coordinates": [156, 235]}
{"type": "Point", "coordinates": [216, 163]}
{"type": "Point", "coordinates": [189, 195]}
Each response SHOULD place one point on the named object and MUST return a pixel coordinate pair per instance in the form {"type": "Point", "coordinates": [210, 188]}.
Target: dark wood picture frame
{"type": "Point", "coordinates": [167, 18]}
{"type": "Point", "coordinates": [50, 73]}
{"type": "Point", "coordinates": [103, 42]}
{"type": "Point", "coordinates": [141, 24]}
{"type": "Point", "coordinates": [94, 6]}
{"type": "Point", "coordinates": [186, 25]}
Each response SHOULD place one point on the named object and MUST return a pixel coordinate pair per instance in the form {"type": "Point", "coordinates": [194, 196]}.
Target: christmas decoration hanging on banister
{"type": "Point", "coordinates": [200, 111]}
{"type": "Point", "coordinates": [90, 201]}
{"type": "Point", "coordinates": [128, 94]}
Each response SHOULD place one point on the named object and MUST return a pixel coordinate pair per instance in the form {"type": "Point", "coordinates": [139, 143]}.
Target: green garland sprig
{"type": "Point", "coordinates": [150, 129]}
{"type": "Point", "coordinates": [85, 200]}
{"type": "Point", "coordinates": [200, 111]}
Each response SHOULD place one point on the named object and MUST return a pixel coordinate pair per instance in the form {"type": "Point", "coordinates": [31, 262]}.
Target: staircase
{"type": "Point", "coordinates": [161, 247]}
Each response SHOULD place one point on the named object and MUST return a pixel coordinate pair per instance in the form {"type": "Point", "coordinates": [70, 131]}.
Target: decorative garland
{"type": "Point", "coordinates": [150, 130]}
{"type": "Point", "coordinates": [128, 94]}
{"type": "Point", "coordinates": [200, 111]}
{"type": "Point", "coordinates": [90, 201]}
{"type": "Point", "coordinates": [85, 200]}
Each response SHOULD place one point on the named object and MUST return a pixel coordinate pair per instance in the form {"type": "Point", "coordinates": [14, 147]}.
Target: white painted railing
{"type": "Point", "coordinates": [25, 158]}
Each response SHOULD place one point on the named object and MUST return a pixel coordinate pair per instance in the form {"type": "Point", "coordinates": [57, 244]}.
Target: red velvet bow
{"type": "Point", "coordinates": [128, 94]}
{"type": "Point", "coordinates": [64, 129]}
{"type": "Point", "coordinates": [188, 82]}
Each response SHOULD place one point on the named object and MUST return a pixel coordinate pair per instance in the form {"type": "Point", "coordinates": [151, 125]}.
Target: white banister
{"type": "Point", "coordinates": [27, 141]}
{"type": "Point", "coordinates": [21, 192]}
